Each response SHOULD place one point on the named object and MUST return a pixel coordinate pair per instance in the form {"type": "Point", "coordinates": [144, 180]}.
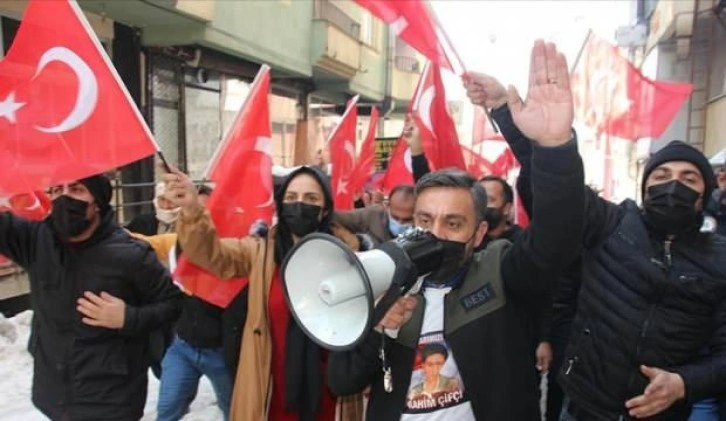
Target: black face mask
{"type": "Point", "coordinates": [68, 217]}
{"type": "Point", "coordinates": [301, 218]}
{"type": "Point", "coordinates": [494, 217]}
{"type": "Point", "coordinates": [451, 261]}
{"type": "Point", "coordinates": [670, 208]}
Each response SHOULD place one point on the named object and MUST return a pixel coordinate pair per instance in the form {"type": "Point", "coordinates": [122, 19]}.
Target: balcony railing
{"type": "Point", "coordinates": [328, 11]}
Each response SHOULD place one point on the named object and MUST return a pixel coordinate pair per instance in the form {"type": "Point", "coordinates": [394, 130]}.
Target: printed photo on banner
{"type": "Point", "coordinates": [435, 381]}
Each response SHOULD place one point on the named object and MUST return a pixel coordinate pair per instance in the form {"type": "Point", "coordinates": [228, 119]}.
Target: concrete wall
{"type": "Point", "coordinates": [276, 32]}
{"type": "Point", "coordinates": [715, 127]}
{"type": "Point", "coordinates": [670, 69]}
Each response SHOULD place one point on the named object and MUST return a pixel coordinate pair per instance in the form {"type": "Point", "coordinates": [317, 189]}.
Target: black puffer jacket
{"type": "Point", "coordinates": [83, 372]}
{"type": "Point", "coordinates": [645, 301]}
{"type": "Point", "coordinates": [561, 312]}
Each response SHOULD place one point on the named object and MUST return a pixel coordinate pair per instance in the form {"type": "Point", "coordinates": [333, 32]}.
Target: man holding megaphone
{"type": "Point", "coordinates": [458, 349]}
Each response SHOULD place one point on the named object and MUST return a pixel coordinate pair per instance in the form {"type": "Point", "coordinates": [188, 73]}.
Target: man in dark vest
{"type": "Point", "coordinates": [476, 306]}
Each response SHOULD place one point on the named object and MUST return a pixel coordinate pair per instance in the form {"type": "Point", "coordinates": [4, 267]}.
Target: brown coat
{"type": "Point", "coordinates": [372, 220]}
{"type": "Point", "coordinates": [253, 258]}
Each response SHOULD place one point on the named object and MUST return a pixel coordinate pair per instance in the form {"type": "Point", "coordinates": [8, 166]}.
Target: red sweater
{"type": "Point", "coordinates": [279, 318]}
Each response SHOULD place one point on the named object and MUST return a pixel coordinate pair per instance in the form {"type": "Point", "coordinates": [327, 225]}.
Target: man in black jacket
{"type": "Point", "coordinates": [96, 293]}
{"type": "Point", "coordinates": [652, 298]}
{"type": "Point", "coordinates": [477, 305]}
{"type": "Point", "coordinates": [559, 311]}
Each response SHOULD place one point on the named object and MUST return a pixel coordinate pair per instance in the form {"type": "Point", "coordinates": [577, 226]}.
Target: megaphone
{"type": "Point", "coordinates": [336, 295]}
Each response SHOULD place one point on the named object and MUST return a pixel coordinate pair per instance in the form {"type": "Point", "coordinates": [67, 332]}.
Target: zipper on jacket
{"type": "Point", "coordinates": [570, 363]}
{"type": "Point", "coordinates": [667, 252]}
{"type": "Point", "coordinates": [666, 266]}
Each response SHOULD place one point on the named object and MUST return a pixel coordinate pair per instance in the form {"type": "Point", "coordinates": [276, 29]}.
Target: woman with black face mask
{"type": "Point", "coordinates": [281, 373]}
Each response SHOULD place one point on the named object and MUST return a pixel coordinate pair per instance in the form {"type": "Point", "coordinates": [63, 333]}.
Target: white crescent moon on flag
{"type": "Point", "coordinates": [407, 160]}
{"type": "Point", "coordinates": [35, 205]}
{"type": "Point", "coordinates": [424, 108]}
{"type": "Point", "coordinates": [87, 88]}
{"type": "Point", "coordinates": [264, 145]}
{"type": "Point", "coordinates": [5, 202]}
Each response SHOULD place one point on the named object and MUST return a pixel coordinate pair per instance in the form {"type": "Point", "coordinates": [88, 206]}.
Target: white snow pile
{"type": "Point", "coordinates": [16, 374]}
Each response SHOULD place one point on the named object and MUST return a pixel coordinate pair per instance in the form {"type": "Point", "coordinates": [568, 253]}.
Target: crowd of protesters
{"type": "Point", "coordinates": [621, 306]}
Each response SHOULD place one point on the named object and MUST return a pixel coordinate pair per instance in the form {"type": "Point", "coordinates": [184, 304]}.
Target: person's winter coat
{"type": "Point", "coordinates": [82, 372]}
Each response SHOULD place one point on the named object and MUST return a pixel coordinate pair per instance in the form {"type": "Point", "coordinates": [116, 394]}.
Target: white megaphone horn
{"type": "Point", "coordinates": [337, 295]}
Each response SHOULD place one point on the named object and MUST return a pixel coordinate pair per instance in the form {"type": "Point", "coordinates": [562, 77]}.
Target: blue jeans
{"type": "Point", "coordinates": [181, 369]}
{"type": "Point", "coordinates": [705, 410]}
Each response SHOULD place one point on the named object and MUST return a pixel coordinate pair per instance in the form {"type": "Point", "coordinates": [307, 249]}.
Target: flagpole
{"type": "Point", "coordinates": [582, 49]}
{"type": "Point", "coordinates": [213, 160]}
{"type": "Point", "coordinates": [458, 59]}
{"type": "Point", "coordinates": [446, 38]}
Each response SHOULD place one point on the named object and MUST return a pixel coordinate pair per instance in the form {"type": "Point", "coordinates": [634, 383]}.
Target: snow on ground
{"type": "Point", "coordinates": [16, 373]}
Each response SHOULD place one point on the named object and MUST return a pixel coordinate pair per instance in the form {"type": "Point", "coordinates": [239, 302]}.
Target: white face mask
{"type": "Point", "coordinates": [167, 216]}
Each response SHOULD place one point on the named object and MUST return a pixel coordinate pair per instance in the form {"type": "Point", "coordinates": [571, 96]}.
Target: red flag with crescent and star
{"type": "Point", "coordinates": [414, 23]}
{"type": "Point", "coordinates": [366, 163]}
{"type": "Point", "coordinates": [439, 138]}
{"type": "Point", "coordinates": [33, 206]}
{"type": "Point", "coordinates": [342, 156]}
{"type": "Point", "coordinates": [243, 194]}
{"type": "Point", "coordinates": [64, 112]}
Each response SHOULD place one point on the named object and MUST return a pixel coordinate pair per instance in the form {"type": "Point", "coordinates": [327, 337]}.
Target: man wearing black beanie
{"type": "Point", "coordinates": [96, 295]}
{"type": "Point", "coordinates": [653, 298]}
{"type": "Point", "coordinates": [648, 339]}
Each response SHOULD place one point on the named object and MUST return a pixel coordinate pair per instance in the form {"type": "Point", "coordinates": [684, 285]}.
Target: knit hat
{"type": "Point", "coordinates": [100, 188]}
{"type": "Point", "coordinates": [681, 151]}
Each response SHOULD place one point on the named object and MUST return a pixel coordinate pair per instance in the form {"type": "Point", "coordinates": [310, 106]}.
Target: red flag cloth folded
{"type": "Point", "coordinates": [64, 112]}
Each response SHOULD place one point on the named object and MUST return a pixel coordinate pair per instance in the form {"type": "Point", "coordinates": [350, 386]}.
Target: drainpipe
{"type": "Point", "coordinates": [388, 98]}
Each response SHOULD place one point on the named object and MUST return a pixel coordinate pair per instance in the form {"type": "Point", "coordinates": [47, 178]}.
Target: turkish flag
{"type": "Point", "coordinates": [33, 206]}
{"type": "Point", "coordinates": [439, 138]}
{"type": "Point", "coordinates": [505, 163]}
{"type": "Point", "coordinates": [64, 113]}
{"type": "Point", "coordinates": [476, 165]}
{"type": "Point", "coordinates": [366, 163]}
{"type": "Point", "coordinates": [242, 171]}
{"type": "Point", "coordinates": [613, 97]}
{"type": "Point", "coordinates": [399, 170]}
{"type": "Point", "coordinates": [342, 156]}
{"type": "Point", "coordinates": [483, 129]}
{"type": "Point", "coordinates": [411, 21]}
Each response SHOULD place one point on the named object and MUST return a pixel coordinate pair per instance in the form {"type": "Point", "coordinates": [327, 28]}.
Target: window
{"type": "Point", "coordinates": [368, 29]}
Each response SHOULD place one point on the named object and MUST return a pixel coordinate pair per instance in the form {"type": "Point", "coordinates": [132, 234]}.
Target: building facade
{"type": "Point", "coordinates": [687, 42]}
{"type": "Point", "coordinates": [188, 64]}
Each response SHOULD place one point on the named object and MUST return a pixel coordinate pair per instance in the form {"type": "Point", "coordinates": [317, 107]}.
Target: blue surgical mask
{"type": "Point", "coordinates": [396, 228]}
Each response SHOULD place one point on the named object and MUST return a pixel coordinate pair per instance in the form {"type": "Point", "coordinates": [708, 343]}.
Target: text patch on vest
{"type": "Point", "coordinates": [479, 297]}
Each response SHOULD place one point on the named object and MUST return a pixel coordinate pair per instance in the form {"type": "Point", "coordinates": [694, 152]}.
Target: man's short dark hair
{"type": "Point", "coordinates": [506, 188]}
{"type": "Point", "coordinates": [404, 189]}
{"type": "Point", "coordinates": [457, 179]}
{"type": "Point", "coordinates": [434, 348]}
{"type": "Point", "coordinates": [205, 190]}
